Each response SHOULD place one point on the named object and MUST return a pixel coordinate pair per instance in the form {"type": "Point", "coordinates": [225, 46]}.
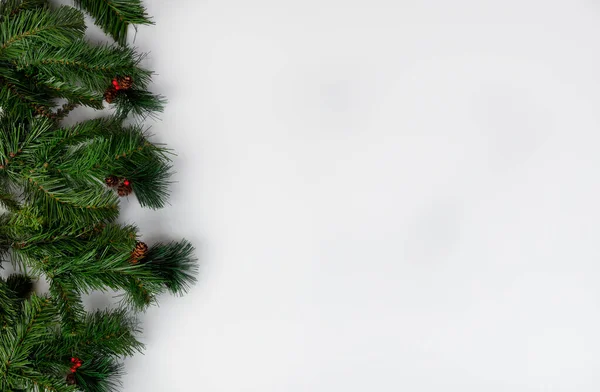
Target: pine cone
{"type": "Point", "coordinates": [112, 181]}
{"type": "Point", "coordinates": [110, 94]}
{"type": "Point", "coordinates": [124, 189]}
{"type": "Point", "coordinates": [71, 379]}
{"type": "Point", "coordinates": [139, 252]}
{"type": "Point", "coordinates": [125, 82]}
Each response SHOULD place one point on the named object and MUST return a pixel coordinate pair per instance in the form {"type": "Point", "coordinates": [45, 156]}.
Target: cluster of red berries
{"type": "Point", "coordinates": [76, 364]}
{"type": "Point", "coordinates": [115, 84]}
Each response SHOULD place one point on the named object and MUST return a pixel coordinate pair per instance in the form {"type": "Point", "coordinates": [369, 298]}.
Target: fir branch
{"type": "Point", "coordinates": [37, 382]}
{"type": "Point", "coordinates": [174, 264]}
{"type": "Point", "coordinates": [21, 96]}
{"type": "Point", "coordinates": [111, 149]}
{"type": "Point", "coordinates": [111, 333]}
{"type": "Point", "coordinates": [76, 94]}
{"type": "Point", "coordinates": [72, 207]}
{"type": "Point", "coordinates": [92, 66]}
{"type": "Point", "coordinates": [38, 317]}
{"type": "Point", "coordinates": [55, 27]}
{"type": "Point", "coordinates": [8, 305]}
{"type": "Point", "coordinates": [139, 103]}
{"type": "Point", "coordinates": [101, 239]}
{"type": "Point", "coordinates": [99, 374]}
{"type": "Point", "coordinates": [69, 305]}
{"type": "Point", "coordinates": [115, 16]}
{"type": "Point", "coordinates": [10, 8]}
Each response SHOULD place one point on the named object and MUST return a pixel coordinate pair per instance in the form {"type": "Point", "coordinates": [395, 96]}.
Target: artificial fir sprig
{"type": "Point", "coordinates": [62, 171]}
{"type": "Point", "coordinates": [37, 355]}
{"type": "Point", "coordinates": [43, 58]}
{"type": "Point", "coordinates": [115, 16]}
{"type": "Point", "coordinates": [13, 7]}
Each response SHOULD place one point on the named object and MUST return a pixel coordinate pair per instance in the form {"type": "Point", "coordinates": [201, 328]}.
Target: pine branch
{"type": "Point", "coordinates": [69, 305]}
{"type": "Point", "coordinates": [59, 203]}
{"type": "Point", "coordinates": [92, 66]}
{"type": "Point", "coordinates": [20, 95]}
{"type": "Point", "coordinates": [99, 374]}
{"type": "Point", "coordinates": [139, 103]}
{"type": "Point", "coordinates": [112, 333]}
{"type": "Point", "coordinates": [8, 306]}
{"type": "Point", "coordinates": [78, 95]}
{"type": "Point", "coordinates": [174, 264]}
{"type": "Point", "coordinates": [38, 317]}
{"type": "Point", "coordinates": [37, 382]}
{"type": "Point", "coordinates": [54, 27]}
{"type": "Point", "coordinates": [115, 16]}
{"type": "Point", "coordinates": [9, 8]}
{"type": "Point", "coordinates": [100, 240]}
{"type": "Point", "coordinates": [18, 137]}
{"type": "Point", "coordinates": [125, 152]}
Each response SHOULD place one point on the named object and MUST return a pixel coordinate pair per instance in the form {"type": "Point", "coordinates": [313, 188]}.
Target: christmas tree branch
{"type": "Point", "coordinates": [115, 16]}
{"type": "Point", "coordinates": [69, 305]}
{"type": "Point", "coordinates": [9, 8]}
{"type": "Point", "coordinates": [93, 66]}
{"type": "Point", "coordinates": [55, 27]}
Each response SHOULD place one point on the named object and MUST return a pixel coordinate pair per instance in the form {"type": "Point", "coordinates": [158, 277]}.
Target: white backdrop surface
{"type": "Point", "coordinates": [385, 196]}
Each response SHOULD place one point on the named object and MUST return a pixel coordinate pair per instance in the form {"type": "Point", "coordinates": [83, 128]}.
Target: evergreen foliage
{"type": "Point", "coordinates": [115, 16]}
{"type": "Point", "coordinates": [58, 216]}
{"type": "Point", "coordinates": [44, 57]}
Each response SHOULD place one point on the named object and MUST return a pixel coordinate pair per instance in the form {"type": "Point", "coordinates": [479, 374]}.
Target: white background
{"type": "Point", "coordinates": [385, 196]}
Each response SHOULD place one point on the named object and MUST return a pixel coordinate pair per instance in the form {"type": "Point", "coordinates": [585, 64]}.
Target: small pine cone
{"type": "Point", "coordinates": [112, 181]}
{"type": "Point", "coordinates": [124, 189]}
{"type": "Point", "coordinates": [139, 252]}
{"type": "Point", "coordinates": [71, 379]}
{"type": "Point", "coordinates": [125, 82]}
{"type": "Point", "coordinates": [110, 94]}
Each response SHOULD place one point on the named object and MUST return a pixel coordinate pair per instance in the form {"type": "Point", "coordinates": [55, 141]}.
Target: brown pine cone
{"type": "Point", "coordinates": [112, 181]}
{"type": "Point", "coordinates": [124, 189]}
{"type": "Point", "coordinates": [139, 252]}
{"type": "Point", "coordinates": [71, 379]}
{"type": "Point", "coordinates": [110, 94]}
{"type": "Point", "coordinates": [126, 82]}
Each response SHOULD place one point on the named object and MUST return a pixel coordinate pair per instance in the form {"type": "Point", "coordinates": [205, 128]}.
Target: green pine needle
{"type": "Point", "coordinates": [115, 16]}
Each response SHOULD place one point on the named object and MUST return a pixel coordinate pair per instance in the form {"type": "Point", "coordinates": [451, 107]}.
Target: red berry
{"type": "Point", "coordinates": [126, 182]}
{"type": "Point", "coordinates": [73, 360]}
